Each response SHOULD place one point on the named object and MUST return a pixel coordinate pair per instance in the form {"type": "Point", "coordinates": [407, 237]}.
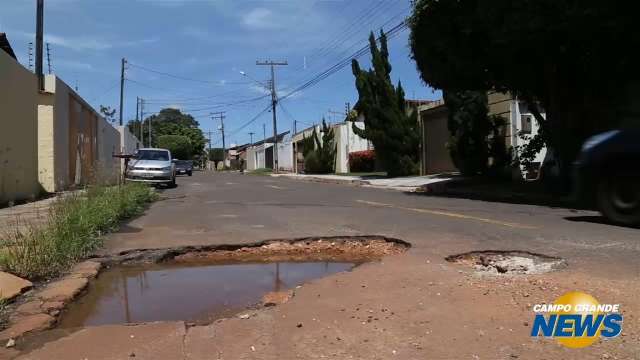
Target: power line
{"type": "Point", "coordinates": [234, 132]}
{"type": "Point", "coordinates": [217, 82]}
{"type": "Point", "coordinates": [344, 62]}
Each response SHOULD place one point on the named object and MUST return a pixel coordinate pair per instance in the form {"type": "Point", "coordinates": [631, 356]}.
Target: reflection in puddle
{"type": "Point", "coordinates": [165, 292]}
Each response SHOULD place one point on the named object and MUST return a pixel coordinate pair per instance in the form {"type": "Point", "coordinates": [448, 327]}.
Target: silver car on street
{"type": "Point", "coordinates": [152, 165]}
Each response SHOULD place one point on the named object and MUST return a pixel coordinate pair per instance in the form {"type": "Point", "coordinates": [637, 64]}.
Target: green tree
{"type": "Point", "coordinates": [577, 58]}
{"type": "Point", "coordinates": [388, 125]}
{"type": "Point", "coordinates": [321, 157]}
{"type": "Point", "coordinates": [179, 145]}
{"type": "Point", "coordinates": [171, 122]}
{"type": "Point", "coordinates": [469, 127]}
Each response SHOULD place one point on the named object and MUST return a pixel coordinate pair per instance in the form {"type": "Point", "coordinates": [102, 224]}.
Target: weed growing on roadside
{"type": "Point", "coordinates": [72, 231]}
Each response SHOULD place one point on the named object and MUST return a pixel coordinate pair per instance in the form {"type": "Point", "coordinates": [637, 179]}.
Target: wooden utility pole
{"type": "Point", "coordinates": [142, 121]}
{"type": "Point", "coordinates": [274, 102]}
{"type": "Point", "coordinates": [251, 135]}
{"type": "Point", "coordinates": [138, 121]}
{"type": "Point", "coordinates": [124, 62]}
{"type": "Point", "coordinates": [221, 115]}
{"type": "Point", "coordinates": [40, 43]}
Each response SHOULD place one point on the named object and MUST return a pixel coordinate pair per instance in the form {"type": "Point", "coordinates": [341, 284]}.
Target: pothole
{"type": "Point", "coordinates": [508, 262]}
{"type": "Point", "coordinates": [186, 292]}
{"type": "Point", "coordinates": [200, 285]}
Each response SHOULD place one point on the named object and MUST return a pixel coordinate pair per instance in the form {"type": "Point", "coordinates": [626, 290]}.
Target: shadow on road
{"type": "Point", "coordinates": [596, 219]}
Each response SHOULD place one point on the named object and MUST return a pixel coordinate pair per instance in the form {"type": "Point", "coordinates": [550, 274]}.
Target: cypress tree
{"type": "Point", "coordinates": [392, 129]}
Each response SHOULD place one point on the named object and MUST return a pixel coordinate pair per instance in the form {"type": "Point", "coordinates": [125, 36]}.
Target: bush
{"type": "Point", "coordinates": [321, 158]}
{"type": "Point", "coordinates": [72, 232]}
{"type": "Point", "coordinates": [362, 161]}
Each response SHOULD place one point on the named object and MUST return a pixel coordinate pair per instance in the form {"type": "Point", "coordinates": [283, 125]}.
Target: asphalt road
{"type": "Point", "coordinates": [222, 208]}
{"type": "Point", "coordinates": [409, 306]}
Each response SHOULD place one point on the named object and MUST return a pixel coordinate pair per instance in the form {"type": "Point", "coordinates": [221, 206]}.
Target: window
{"type": "Point", "coordinates": [525, 123]}
{"type": "Point", "coordinates": [158, 155]}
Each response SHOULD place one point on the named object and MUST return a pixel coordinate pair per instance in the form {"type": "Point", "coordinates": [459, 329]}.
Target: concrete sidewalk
{"type": "Point", "coordinates": [409, 183]}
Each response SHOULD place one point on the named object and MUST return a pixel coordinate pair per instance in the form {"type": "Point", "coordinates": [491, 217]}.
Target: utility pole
{"type": "Point", "coordinates": [138, 122]}
{"type": "Point", "coordinates": [251, 134]}
{"type": "Point", "coordinates": [295, 126]}
{"type": "Point", "coordinates": [221, 115]}
{"type": "Point", "coordinates": [49, 58]}
{"type": "Point", "coordinates": [274, 102]}
{"type": "Point", "coordinates": [142, 121]}
{"type": "Point", "coordinates": [39, 43]}
{"type": "Point", "coordinates": [124, 61]}
{"type": "Point", "coordinates": [149, 144]}
{"type": "Point", "coordinates": [264, 133]}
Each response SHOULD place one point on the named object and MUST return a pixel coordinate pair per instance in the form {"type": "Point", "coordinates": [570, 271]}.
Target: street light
{"type": "Point", "coordinates": [266, 86]}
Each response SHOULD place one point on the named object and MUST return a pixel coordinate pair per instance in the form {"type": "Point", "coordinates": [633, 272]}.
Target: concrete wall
{"type": "Point", "coordinates": [18, 137]}
{"type": "Point", "coordinates": [75, 143]}
{"type": "Point", "coordinates": [108, 167]}
{"type": "Point", "coordinates": [435, 135]}
{"type": "Point", "coordinates": [129, 143]}
{"type": "Point", "coordinates": [285, 155]}
{"type": "Point", "coordinates": [347, 142]}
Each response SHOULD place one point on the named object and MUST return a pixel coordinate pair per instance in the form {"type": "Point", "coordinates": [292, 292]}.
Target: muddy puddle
{"type": "Point", "coordinates": [191, 292]}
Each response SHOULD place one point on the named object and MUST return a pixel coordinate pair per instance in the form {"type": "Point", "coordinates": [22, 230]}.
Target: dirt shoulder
{"type": "Point", "coordinates": [409, 306]}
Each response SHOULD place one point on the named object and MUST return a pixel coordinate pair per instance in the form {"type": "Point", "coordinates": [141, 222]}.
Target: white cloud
{"type": "Point", "coordinates": [260, 18]}
{"type": "Point", "coordinates": [85, 43]}
{"type": "Point", "coordinates": [78, 43]}
{"type": "Point", "coordinates": [74, 65]}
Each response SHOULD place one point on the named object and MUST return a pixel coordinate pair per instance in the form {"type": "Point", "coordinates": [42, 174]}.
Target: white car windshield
{"type": "Point", "coordinates": [158, 155]}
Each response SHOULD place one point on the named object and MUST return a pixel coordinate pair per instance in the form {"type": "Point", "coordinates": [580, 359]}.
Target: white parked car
{"type": "Point", "coordinates": [152, 165]}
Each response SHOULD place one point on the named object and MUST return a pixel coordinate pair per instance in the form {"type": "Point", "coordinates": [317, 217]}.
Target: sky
{"type": "Point", "coordinates": [190, 54]}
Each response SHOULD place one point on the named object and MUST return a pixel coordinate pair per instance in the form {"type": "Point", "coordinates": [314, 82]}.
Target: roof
{"type": "Point", "coordinates": [270, 139]}
{"type": "Point", "coordinates": [6, 46]}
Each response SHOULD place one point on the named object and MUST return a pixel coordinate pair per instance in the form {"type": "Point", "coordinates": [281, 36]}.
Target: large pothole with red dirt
{"type": "Point", "coordinates": [200, 285]}
{"type": "Point", "coordinates": [508, 262]}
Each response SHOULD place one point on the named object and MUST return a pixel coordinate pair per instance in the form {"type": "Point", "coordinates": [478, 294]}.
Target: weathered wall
{"type": "Point", "coordinates": [75, 142]}
{"type": "Point", "coordinates": [109, 143]}
{"type": "Point", "coordinates": [285, 155]}
{"type": "Point", "coordinates": [129, 143]}
{"type": "Point", "coordinates": [18, 134]}
{"type": "Point", "coordinates": [435, 134]}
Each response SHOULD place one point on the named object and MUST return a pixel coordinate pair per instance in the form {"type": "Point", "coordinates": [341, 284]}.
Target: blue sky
{"type": "Point", "coordinates": [211, 42]}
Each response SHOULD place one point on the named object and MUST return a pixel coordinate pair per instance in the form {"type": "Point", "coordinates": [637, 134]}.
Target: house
{"type": "Point", "coordinates": [347, 141]}
{"type": "Point", "coordinates": [260, 154]}
{"type": "Point", "coordinates": [435, 132]}
{"type": "Point", "coordinates": [297, 148]}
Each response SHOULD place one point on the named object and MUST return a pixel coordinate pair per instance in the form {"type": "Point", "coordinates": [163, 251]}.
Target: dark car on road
{"type": "Point", "coordinates": [607, 173]}
{"type": "Point", "coordinates": [184, 167]}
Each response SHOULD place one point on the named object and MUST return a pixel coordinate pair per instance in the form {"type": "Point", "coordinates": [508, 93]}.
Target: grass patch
{"type": "Point", "coordinates": [72, 231]}
{"type": "Point", "coordinates": [262, 171]}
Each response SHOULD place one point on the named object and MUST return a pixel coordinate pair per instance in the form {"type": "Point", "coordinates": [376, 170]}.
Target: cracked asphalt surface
{"type": "Point", "coordinates": [411, 306]}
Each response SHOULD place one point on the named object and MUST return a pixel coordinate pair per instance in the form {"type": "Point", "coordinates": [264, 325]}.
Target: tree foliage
{"type": "Point", "coordinates": [388, 125]}
{"type": "Point", "coordinates": [322, 158]}
{"type": "Point", "coordinates": [179, 145]}
{"type": "Point", "coordinates": [171, 122]}
{"type": "Point", "coordinates": [577, 58]}
{"type": "Point", "coordinates": [469, 127]}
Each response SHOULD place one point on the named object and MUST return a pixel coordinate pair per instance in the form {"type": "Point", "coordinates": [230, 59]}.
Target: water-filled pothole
{"type": "Point", "coordinates": [202, 284]}
{"type": "Point", "coordinates": [508, 262]}
{"type": "Point", "coordinates": [190, 292]}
